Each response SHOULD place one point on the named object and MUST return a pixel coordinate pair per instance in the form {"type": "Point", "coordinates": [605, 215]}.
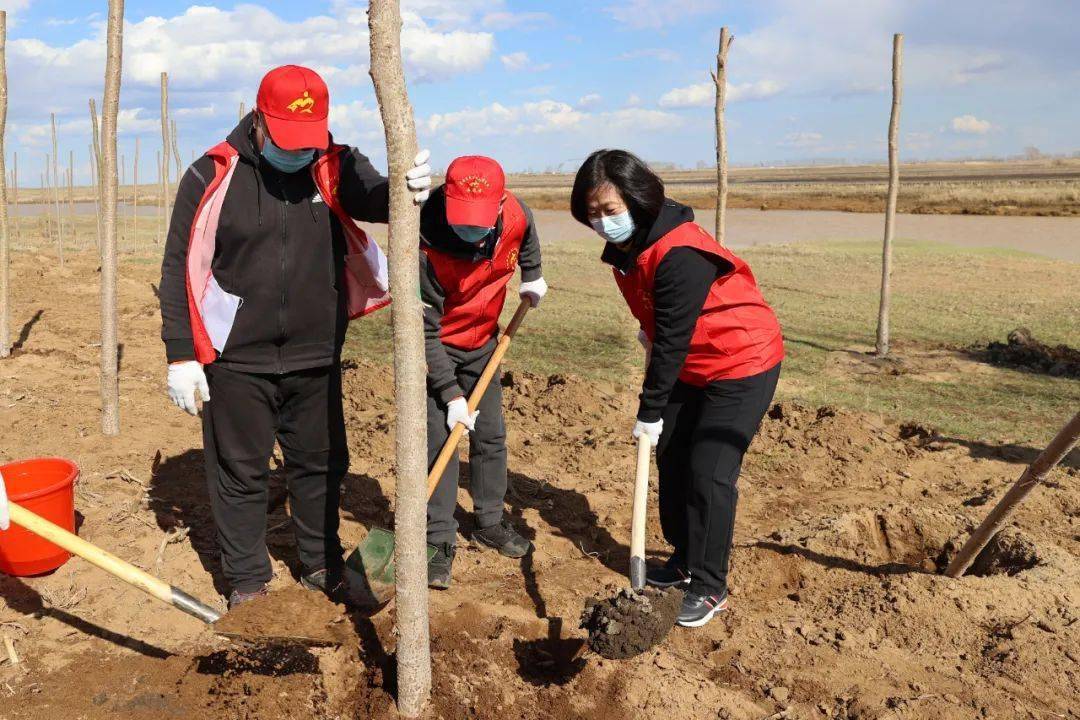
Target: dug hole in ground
{"type": "Point", "coordinates": [837, 609]}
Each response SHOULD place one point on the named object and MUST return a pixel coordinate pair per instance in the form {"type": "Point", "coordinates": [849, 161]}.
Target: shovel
{"type": "Point", "coordinates": [370, 567]}
{"type": "Point", "coordinates": [138, 578]}
{"type": "Point", "coordinates": [634, 620]}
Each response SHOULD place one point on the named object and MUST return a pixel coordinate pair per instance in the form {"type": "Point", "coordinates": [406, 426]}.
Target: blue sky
{"type": "Point", "coordinates": [540, 84]}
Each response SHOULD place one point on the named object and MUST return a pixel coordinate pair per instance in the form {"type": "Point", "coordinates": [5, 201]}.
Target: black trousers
{"type": "Point", "coordinates": [487, 456]}
{"type": "Point", "coordinates": [247, 412]}
{"type": "Point", "coordinates": [706, 433]}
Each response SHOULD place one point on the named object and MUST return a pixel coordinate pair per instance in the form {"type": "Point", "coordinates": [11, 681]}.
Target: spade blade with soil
{"type": "Point", "coordinates": [637, 618]}
{"type": "Point", "coordinates": [243, 628]}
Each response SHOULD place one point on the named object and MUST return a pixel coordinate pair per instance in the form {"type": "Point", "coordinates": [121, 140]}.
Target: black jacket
{"type": "Point", "coordinates": [437, 233]}
{"type": "Point", "coordinates": [680, 288]}
{"type": "Point", "coordinates": [279, 248]}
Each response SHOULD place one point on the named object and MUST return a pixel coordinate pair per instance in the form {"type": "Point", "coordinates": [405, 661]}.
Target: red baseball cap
{"type": "Point", "coordinates": [475, 186]}
{"type": "Point", "coordinates": [295, 103]}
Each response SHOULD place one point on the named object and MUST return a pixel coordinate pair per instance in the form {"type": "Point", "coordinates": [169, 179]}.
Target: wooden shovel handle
{"type": "Point", "coordinates": [450, 446]}
{"type": "Point", "coordinates": [637, 527]}
{"type": "Point", "coordinates": [111, 564]}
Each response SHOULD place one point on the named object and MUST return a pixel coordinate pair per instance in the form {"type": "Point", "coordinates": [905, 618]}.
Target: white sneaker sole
{"type": "Point", "coordinates": [722, 607]}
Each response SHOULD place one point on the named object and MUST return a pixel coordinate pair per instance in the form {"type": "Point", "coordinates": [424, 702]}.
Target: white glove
{"type": "Point", "coordinates": [534, 290]}
{"type": "Point", "coordinates": [457, 411]}
{"type": "Point", "coordinates": [419, 177]}
{"type": "Point", "coordinates": [185, 378]}
{"type": "Point", "coordinates": [5, 516]}
{"type": "Point", "coordinates": [650, 430]}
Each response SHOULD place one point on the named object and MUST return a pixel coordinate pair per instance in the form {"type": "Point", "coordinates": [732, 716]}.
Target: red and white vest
{"type": "Point", "coordinates": [737, 334]}
{"type": "Point", "coordinates": [212, 310]}
{"type": "Point", "coordinates": [476, 291]}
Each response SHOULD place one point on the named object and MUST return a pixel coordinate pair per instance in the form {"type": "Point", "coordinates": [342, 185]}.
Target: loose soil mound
{"type": "Point", "coordinates": [1024, 352]}
{"type": "Point", "coordinates": [629, 623]}
{"type": "Point", "coordinates": [292, 614]}
{"type": "Point", "coordinates": [835, 609]}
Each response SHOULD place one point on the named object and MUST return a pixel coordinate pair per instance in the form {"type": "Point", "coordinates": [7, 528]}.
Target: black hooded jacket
{"type": "Point", "coordinates": [680, 288]}
{"type": "Point", "coordinates": [280, 249]}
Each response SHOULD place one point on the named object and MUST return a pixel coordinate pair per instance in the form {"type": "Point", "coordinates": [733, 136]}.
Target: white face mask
{"type": "Point", "coordinates": [615, 229]}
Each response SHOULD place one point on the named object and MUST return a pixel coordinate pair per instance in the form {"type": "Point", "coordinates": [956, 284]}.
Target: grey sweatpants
{"type": "Point", "coordinates": [487, 455]}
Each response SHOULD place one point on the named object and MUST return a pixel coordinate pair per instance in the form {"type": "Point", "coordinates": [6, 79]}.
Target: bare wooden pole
{"type": "Point", "coordinates": [175, 149]}
{"type": "Point", "coordinates": [720, 80]}
{"type": "Point", "coordinates": [96, 151]}
{"type": "Point", "coordinates": [5, 260]}
{"type": "Point", "coordinates": [56, 190]}
{"type": "Point", "coordinates": [135, 199]}
{"type": "Point", "coordinates": [1033, 475]}
{"type": "Point", "coordinates": [890, 205]}
{"type": "Point", "coordinates": [165, 149]}
{"type": "Point", "coordinates": [410, 515]}
{"type": "Point", "coordinates": [110, 382]}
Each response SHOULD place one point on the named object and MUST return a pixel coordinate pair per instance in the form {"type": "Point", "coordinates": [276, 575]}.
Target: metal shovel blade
{"type": "Point", "coordinates": [370, 568]}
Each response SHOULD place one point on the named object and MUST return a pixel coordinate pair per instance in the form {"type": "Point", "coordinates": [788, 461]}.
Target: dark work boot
{"type": "Point", "coordinates": [239, 598]}
{"type": "Point", "coordinates": [440, 565]}
{"type": "Point", "coordinates": [671, 574]}
{"type": "Point", "coordinates": [504, 538]}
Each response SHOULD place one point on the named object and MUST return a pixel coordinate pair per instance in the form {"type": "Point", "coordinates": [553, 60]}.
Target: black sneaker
{"type": "Point", "coordinates": [504, 538]}
{"type": "Point", "coordinates": [333, 585]}
{"type": "Point", "coordinates": [438, 568]}
{"type": "Point", "coordinates": [699, 609]}
{"type": "Point", "coordinates": [670, 574]}
{"type": "Point", "coordinates": [239, 598]}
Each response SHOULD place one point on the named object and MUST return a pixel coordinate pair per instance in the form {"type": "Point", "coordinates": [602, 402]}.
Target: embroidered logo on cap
{"type": "Point", "coordinates": [474, 184]}
{"type": "Point", "coordinates": [302, 104]}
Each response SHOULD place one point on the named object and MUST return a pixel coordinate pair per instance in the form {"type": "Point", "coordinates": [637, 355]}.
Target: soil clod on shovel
{"type": "Point", "coordinates": [287, 616]}
{"type": "Point", "coordinates": [631, 622]}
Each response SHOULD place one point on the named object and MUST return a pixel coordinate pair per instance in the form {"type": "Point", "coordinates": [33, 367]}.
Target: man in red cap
{"type": "Point", "coordinates": [255, 296]}
{"type": "Point", "coordinates": [474, 236]}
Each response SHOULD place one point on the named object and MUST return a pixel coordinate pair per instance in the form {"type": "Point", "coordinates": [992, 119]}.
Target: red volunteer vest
{"type": "Point", "coordinates": [365, 274]}
{"type": "Point", "coordinates": [737, 334]}
{"type": "Point", "coordinates": [476, 291]}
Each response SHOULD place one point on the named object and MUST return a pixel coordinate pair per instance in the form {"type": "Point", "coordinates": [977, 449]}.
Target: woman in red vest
{"type": "Point", "coordinates": [713, 349]}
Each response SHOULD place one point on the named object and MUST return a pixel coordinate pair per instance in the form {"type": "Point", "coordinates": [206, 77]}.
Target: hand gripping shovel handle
{"type": "Point", "coordinates": [637, 528]}
{"type": "Point", "coordinates": [112, 564]}
{"type": "Point", "coordinates": [450, 446]}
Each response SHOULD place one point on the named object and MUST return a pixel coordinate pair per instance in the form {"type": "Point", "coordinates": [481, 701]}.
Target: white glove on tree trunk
{"type": "Point", "coordinates": [457, 411]}
{"type": "Point", "coordinates": [419, 177]}
{"type": "Point", "coordinates": [534, 290]}
{"type": "Point", "coordinates": [650, 430]}
{"type": "Point", "coordinates": [185, 379]}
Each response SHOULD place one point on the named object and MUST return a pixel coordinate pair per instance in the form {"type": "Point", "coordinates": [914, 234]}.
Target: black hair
{"type": "Point", "coordinates": [641, 189]}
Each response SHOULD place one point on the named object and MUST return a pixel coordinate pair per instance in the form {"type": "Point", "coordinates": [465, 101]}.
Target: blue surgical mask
{"type": "Point", "coordinates": [286, 161]}
{"type": "Point", "coordinates": [472, 234]}
{"type": "Point", "coordinates": [615, 229]}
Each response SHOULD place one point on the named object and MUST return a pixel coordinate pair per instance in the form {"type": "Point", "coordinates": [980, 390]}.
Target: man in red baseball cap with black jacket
{"type": "Point", "coordinates": [264, 266]}
{"type": "Point", "coordinates": [474, 236]}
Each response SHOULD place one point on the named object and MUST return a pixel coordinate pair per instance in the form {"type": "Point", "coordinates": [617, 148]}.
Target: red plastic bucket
{"type": "Point", "coordinates": [46, 487]}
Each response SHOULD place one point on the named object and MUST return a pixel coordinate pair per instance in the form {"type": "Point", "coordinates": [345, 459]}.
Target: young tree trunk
{"type": "Point", "coordinates": [5, 319]}
{"type": "Point", "coordinates": [890, 205]}
{"type": "Point", "coordinates": [56, 191]}
{"type": "Point", "coordinates": [96, 153]}
{"type": "Point", "coordinates": [165, 149]}
{"type": "Point", "coordinates": [720, 80]}
{"type": "Point", "coordinates": [175, 151]}
{"type": "Point", "coordinates": [135, 199]}
{"type": "Point", "coordinates": [110, 383]}
{"type": "Point", "coordinates": [410, 512]}
{"type": "Point", "coordinates": [1033, 475]}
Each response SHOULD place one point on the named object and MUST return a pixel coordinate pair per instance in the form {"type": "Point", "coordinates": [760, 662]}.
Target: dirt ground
{"type": "Point", "coordinates": [836, 609]}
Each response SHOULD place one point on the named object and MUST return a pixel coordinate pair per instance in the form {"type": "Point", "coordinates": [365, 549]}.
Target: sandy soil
{"type": "Point", "coordinates": [836, 608]}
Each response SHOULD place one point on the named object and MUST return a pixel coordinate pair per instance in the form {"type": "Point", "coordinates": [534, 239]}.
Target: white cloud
{"type": "Point", "coordinates": [521, 62]}
{"type": "Point", "coordinates": [497, 119]}
{"type": "Point", "coordinates": [587, 102]}
{"type": "Point", "coordinates": [356, 120]}
{"type": "Point", "coordinates": [704, 94]}
{"type": "Point", "coordinates": [970, 125]}
{"type": "Point", "coordinates": [641, 14]}
{"type": "Point", "coordinates": [632, 100]}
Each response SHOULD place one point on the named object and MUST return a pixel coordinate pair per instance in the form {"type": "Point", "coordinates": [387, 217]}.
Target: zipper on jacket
{"type": "Point", "coordinates": [281, 307]}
